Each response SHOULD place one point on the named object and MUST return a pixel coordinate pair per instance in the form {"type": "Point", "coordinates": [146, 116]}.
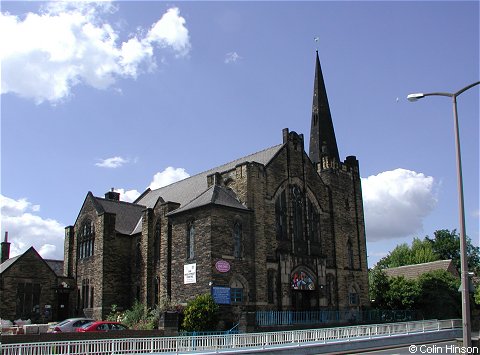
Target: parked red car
{"type": "Point", "coordinates": [102, 326]}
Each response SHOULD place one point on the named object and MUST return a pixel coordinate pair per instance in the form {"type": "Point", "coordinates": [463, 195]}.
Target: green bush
{"type": "Point", "coordinates": [138, 317]}
{"type": "Point", "coordinates": [476, 295]}
{"type": "Point", "coordinates": [200, 314]}
{"type": "Point", "coordinates": [439, 295]}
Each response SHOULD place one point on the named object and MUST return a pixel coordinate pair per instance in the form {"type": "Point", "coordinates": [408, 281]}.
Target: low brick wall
{"type": "Point", "coordinates": [46, 337]}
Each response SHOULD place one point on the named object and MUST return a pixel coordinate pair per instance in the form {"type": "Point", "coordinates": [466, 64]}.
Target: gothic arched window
{"type": "Point", "coordinates": [86, 239]}
{"type": "Point", "coordinates": [313, 222]}
{"type": "Point", "coordinates": [190, 240]}
{"type": "Point", "coordinates": [350, 255]}
{"type": "Point", "coordinates": [237, 240]}
{"type": "Point", "coordinates": [281, 216]}
{"type": "Point", "coordinates": [297, 200]}
{"type": "Point", "coordinates": [156, 243]}
{"type": "Point", "coordinates": [353, 298]}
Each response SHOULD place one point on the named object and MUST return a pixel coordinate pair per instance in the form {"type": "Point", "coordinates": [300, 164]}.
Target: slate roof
{"type": "Point", "coordinates": [215, 195]}
{"type": "Point", "coordinates": [187, 190]}
{"type": "Point", "coordinates": [128, 214]}
{"type": "Point", "coordinates": [190, 193]}
{"type": "Point", "coordinates": [56, 266]}
{"type": "Point", "coordinates": [414, 271]}
{"type": "Point", "coordinates": [7, 263]}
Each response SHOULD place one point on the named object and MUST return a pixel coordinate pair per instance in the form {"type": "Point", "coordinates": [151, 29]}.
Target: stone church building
{"type": "Point", "coordinates": [280, 229]}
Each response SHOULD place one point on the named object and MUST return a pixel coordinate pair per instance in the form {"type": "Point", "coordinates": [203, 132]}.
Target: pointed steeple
{"type": "Point", "coordinates": [322, 134]}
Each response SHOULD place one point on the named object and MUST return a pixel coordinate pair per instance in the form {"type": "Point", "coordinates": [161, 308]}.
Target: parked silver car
{"type": "Point", "coordinates": [69, 325]}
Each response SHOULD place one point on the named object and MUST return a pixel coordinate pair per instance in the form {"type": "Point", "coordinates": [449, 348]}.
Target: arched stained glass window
{"type": "Point", "coordinates": [313, 222]}
{"type": "Point", "coordinates": [297, 201]}
{"type": "Point", "coordinates": [281, 216]}
{"type": "Point", "coordinates": [350, 259]}
{"type": "Point", "coordinates": [302, 280]}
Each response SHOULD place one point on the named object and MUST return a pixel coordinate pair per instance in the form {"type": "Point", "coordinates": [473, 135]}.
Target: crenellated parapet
{"type": "Point", "coordinates": [349, 165]}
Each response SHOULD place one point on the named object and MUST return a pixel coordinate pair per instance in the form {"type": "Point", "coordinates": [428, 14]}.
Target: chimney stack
{"type": "Point", "coordinates": [112, 195]}
{"type": "Point", "coordinates": [5, 253]}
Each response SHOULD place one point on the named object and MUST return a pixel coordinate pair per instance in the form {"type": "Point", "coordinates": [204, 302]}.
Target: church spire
{"type": "Point", "coordinates": [322, 134]}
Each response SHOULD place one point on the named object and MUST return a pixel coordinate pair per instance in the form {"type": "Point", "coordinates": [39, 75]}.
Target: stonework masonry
{"type": "Point", "coordinates": [279, 229]}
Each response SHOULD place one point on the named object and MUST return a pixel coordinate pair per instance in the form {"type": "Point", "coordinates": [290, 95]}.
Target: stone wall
{"type": "Point", "coordinates": [29, 269]}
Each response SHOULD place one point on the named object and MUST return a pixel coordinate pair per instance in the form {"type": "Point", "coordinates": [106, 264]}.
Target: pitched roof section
{"type": "Point", "coordinates": [7, 263]}
{"type": "Point", "coordinates": [127, 214]}
{"type": "Point", "coordinates": [56, 266]}
{"type": "Point", "coordinates": [215, 195]}
{"type": "Point", "coordinates": [189, 189]}
{"type": "Point", "coordinates": [414, 271]}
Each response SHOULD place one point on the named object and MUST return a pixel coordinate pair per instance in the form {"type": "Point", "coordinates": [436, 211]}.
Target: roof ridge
{"type": "Point", "coordinates": [428, 262]}
{"type": "Point", "coordinates": [215, 168]}
{"type": "Point", "coordinates": [119, 201]}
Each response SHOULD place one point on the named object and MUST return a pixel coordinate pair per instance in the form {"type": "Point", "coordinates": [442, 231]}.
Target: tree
{"type": "Point", "coordinates": [476, 295]}
{"type": "Point", "coordinates": [200, 314]}
{"type": "Point", "coordinates": [421, 251]}
{"type": "Point", "coordinates": [439, 296]}
{"type": "Point", "coordinates": [446, 245]}
{"type": "Point", "coordinates": [396, 293]}
{"type": "Point", "coordinates": [402, 293]}
{"type": "Point", "coordinates": [378, 287]}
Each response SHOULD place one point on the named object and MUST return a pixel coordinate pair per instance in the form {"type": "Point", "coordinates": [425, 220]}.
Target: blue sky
{"type": "Point", "coordinates": [136, 94]}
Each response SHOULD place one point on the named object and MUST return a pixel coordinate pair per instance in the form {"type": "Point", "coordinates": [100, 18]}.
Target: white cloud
{"type": "Point", "coordinates": [128, 195]}
{"type": "Point", "coordinates": [396, 202]}
{"type": "Point", "coordinates": [170, 31]}
{"type": "Point", "coordinates": [112, 163]}
{"type": "Point", "coordinates": [26, 229]}
{"type": "Point", "coordinates": [45, 55]}
{"type": "Point", "coordinates": [167, 177]}
{"type": "Point", "coordinates": [160, 179]}
{"type": "Point", "coordinates": [231, 57]}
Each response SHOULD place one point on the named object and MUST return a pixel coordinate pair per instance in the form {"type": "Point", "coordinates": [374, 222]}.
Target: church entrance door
{"type": "Point", "coordinates": [303, 290]}
{"type": "Point", "coordinates": [302, 300]}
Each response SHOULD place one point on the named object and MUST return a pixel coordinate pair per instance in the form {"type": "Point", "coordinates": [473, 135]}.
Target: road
{"type": "Point", "coordinates": [446, 347]}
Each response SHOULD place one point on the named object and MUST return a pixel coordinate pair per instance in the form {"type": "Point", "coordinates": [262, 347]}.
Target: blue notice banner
{"type": "Point", "coordinates": [221, 295]}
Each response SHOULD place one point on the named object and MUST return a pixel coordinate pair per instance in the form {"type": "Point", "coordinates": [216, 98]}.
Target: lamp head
{"type": "Point", "coordinates": [415, 97]}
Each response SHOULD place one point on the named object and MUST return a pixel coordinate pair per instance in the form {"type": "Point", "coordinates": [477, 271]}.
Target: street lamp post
{"type": "Point", "coordinates": [463, 241]}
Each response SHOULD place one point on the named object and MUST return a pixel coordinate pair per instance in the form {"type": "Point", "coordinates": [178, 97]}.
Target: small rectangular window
{"type": "Point", "coordinates": [236, 295]}
{"type": "Point", "coordinates": [353, 298]}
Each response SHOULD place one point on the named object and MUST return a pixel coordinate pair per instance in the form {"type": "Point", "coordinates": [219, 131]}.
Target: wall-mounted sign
{"type": "Point", "coordinates": [221, 295]}
{"type": "Point", "coordinates": [190, 273]}
{"type": "Point", "coordinates": [222, 266]}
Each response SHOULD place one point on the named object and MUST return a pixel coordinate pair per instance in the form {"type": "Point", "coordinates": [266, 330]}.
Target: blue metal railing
{"type": "Point", "coordinates": [233, 330]}
{"type": "Point", "coordinates": [274, 318]}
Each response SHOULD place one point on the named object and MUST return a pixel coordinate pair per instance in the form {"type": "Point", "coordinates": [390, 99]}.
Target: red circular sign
{"type": "Point", "coordinates": [222, 266]}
